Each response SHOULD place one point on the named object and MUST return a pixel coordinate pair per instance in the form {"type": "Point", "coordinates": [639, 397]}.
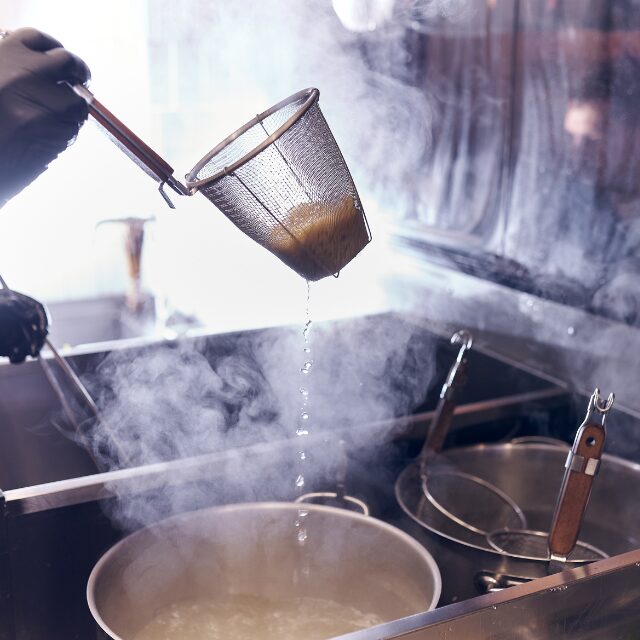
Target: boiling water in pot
{"type": "Point", "coordinates": [245, 617]}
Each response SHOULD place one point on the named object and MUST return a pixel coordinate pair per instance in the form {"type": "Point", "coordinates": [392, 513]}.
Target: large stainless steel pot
{"type": "Point", "coordinates": [531, 474]}
{"type": "Point", "coordinates": [252, 549]}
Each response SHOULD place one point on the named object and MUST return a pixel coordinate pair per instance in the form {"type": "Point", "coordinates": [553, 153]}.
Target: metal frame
{"type": "Point", "coordinates": [312, 95]}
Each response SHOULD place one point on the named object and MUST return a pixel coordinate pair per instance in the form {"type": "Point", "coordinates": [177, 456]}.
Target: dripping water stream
{"type": "Point", "coordinates": [303, 423]}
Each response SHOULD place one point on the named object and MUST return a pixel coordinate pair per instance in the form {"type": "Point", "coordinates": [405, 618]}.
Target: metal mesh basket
{"type": "Point", "coordinates": [282, 180]}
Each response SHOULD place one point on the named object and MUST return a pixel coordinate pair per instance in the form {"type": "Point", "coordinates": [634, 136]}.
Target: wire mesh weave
{"type": "Point", "coordinates": [535, 544]}
{"type": "Point", "coordinates": [295, 197]}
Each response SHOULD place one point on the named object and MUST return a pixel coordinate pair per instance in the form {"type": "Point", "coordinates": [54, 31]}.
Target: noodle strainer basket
{"type": "Point", "coordinates": [281, 179]}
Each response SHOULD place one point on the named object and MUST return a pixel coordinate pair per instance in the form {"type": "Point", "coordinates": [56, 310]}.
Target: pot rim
{"type": "Point", "coordinates": [409, 540]}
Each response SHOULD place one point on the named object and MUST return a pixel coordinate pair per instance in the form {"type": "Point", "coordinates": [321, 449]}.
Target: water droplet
{"type": "Point", "coordinates": [306, 367]}
{"type": "Point", "coordinates": [302, 535]}
{"type": "Point", "coordinates": [304, 415]}
{"type": "Point", "coordinates": [307, 350]}
{"type": "Point", "coordinates": [304, 392]}
{"type": "Point", "coordinates": [303, 455]}
{"type": "Point", "coordinates": [300, 481]}
{"type": "Point", "coordinates": [571, 331]}
{"type": "Point", "coordinates": [303, 513]}
{"type": "Point", "coordinates": [301, 431]}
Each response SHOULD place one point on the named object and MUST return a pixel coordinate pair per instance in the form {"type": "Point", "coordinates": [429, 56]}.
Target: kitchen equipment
{"type": "Point", "coordinates": [251, 549]}
{"type": "Point", "coordinates": [80, 392]}
{"type": "Point", "coordinates": [580, 469]}
{"type": "Point", "coordinates": [280, 178]}
{"type": "Point", "coordinates": [69, 515]}
{"type": "Point", "coordinates": [531, 473]}
{"type": "Point", "coordinates": [467, 500]}
{"type": "Point", "coordinates": [456, 378]}
{"type": "Point", "coordinates": [338, 498]}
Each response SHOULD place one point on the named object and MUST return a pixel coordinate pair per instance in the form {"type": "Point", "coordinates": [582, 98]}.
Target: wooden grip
{"type": "Point", "coordinates": [576, 489]}
{"type": "Point", "coordinates": [140, 152]}
{"type": "Point", "coordinates": [441, 423]}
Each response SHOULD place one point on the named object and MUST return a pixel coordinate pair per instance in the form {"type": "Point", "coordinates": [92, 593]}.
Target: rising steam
{"type": "Point", "coordinates": [187, 399]}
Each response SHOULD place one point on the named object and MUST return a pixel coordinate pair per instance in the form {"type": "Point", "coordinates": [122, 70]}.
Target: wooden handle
{"type": "Point", "coordinates": [443, 416]}
{"type": "Point", "coordinates": [575, 489]}
{"type": "Point", "coordinates": [140, 152]}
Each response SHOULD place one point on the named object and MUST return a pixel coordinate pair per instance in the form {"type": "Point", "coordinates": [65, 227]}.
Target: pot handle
{"type": "Point", "coordinates": [333, 499]}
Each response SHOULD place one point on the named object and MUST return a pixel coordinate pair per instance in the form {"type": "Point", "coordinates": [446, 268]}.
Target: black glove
{"type": "Point", "coordinates": [39, 116]}
{"type": "Point", "coordinates": [23, 326]}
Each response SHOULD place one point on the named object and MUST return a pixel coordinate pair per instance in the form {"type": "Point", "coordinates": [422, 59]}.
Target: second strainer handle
{"type": "Point", "coordinates": [582, 465]}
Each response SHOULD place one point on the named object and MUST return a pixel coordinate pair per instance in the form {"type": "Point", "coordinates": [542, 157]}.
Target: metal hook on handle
{"type": "Point", "coordinates": [597, 404]}
{"type": "Point", "coordinates": [465, 339]}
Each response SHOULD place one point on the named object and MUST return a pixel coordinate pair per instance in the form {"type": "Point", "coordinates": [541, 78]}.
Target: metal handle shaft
{"type": "Point", "coordinates": [443, 414]}
{"type": "Point", "coordinates": [132, 145]}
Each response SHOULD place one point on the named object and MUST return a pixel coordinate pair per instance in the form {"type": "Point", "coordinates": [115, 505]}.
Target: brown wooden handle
{"type": "Point", "coordinates": [440, 425]}
{"type": "Point", "coordinates": [140, 152]}
{"type": "Point", "coordinates": [443, 416]}
{"type": "Point", "coordinates": [575, 489]}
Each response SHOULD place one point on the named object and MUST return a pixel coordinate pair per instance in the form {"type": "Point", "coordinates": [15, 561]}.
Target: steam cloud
{"type": "Point", "coordinates": [188, 399]}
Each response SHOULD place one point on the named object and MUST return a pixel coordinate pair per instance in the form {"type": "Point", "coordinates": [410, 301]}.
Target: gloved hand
{"type": "Point", "coordinates": [39, 116]}
{"type": "Point", "coordinates": [23, 326]}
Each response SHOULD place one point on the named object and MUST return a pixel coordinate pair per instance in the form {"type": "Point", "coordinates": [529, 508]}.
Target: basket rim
{"type": "Point", "coordinates": [312, 95]}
